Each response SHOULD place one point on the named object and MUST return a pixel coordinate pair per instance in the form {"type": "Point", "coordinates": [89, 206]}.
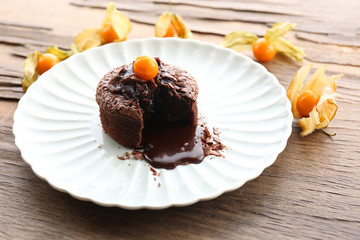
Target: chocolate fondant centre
{"type": "Point", "coordinates": [168, 145]}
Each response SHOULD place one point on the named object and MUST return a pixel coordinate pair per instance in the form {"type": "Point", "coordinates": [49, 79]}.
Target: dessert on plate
{"type": "Point", "coordinates": [152, 105]}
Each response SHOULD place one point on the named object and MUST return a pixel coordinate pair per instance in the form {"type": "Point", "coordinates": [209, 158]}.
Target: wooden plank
{"type": "Point", "coordinates": [328, 55]}
{"type": "Point", "coordinates": [280, 7]}
{"type": "Point", "coordinates": [24, 25]}
{"type": "Point", "coordinates": [13, 92]}
{"type": "Point", "coordinates": [6, 71]}
{"type": "Point", "coordinates": [306, 14]}
{"type": "Point", "coordinates": [9, 81]}
{"type": "Point", "coordinates": [343, 40]}
{"type": "Point", "coordinates": [193, 12]}
{"type": "Point", "coordinates": [22, 36]}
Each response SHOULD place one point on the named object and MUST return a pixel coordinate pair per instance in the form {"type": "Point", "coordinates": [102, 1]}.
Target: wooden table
{"type": "Point", "coordinates": [311, 192]}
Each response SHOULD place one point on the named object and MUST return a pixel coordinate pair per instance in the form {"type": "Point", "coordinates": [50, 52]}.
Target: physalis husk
{"type": "Point", "coordinates": [119, 22]}
{"type": "Point", "coordinates": [61, 54]}
{"type": "Point", "coordinates": [30, 74]}
{"type": "Point", "coordinates": [319, 84]}
{"type": "Point", "coordinates": [90, 38]}
{"type": "Point", "coordinates": [172, 25]}
{"type": "Point", "coordinates": [242, 40]}
{"type": "Point", "coordinates": [239, 40]}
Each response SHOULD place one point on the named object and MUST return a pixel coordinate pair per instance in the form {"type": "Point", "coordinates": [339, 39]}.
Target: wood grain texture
{"type": "Point", "coordinates": [311, 192]}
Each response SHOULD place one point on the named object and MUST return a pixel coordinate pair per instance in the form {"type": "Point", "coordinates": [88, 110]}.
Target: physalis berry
{"type": "Point", "coordinates": [313, 102]}
{"type": "Point", "coordinates": [172, 25]}
{"type": "Point", "coordinates": [145, 67]}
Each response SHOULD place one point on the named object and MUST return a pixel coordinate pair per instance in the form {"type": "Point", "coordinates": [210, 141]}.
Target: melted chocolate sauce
{"type": "Point", "coordinates": [169, 145]}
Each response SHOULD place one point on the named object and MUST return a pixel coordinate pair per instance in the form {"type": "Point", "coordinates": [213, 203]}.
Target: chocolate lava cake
{"type": "Point", "coordinates": [128, 103]}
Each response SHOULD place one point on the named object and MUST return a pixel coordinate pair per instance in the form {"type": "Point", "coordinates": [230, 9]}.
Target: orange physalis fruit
{"type": "Point", "coordinates": [114, 28]}
{"type": "Point", "coordinates": [313, 102]}
{"type": "Point", "coordinates": [306, 101]}
{"type": "Point", "coordinates": [108, 33]}
{"type": "Point", "coordinates": [172, 25]}
{"type": "Point", "coordinates": [45, 62]}
{"type": "Point", "coordinates": [263, 50]}
{"type": "Point", "coordinates": [171, 31]}
{"type": "Point", "coordinates": [119, 23]}
{"type": "Point", "coordinates": [145, 67]}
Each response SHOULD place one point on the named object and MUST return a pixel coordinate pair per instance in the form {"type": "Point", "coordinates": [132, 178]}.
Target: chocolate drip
{"type": "Point", "coordinates": [168, 145]}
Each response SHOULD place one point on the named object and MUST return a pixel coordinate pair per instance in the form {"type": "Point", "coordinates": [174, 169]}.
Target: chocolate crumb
{"type": "Point", "coordinates": [155, 179]}
{"type": "Point", "coordinates": [120, 157]}
{"type": "Point", "coordinates": [216, 131]}
{"type": "Point", "coordinates": [216, 139]}
{"type": "Point", "coordinates": [206, 150]}
{"type": "Point", "coordinates": [211, 144]}
{"type": "Point", "coordinates": [206, 133]}
{"type": "Point", "coordinates": [137, 154]}
{"type": "Point", "coordinates": [99, 146]}
{"type": "Point", "coordinates": [215, 153]}
{"type": "Point", "coordinates": [127, 154]}
{"type": "Point", "coordinates": [153, 171]}
{"type": "Point", "coordinates": [159, 174]}
{"type": "Point", "coordinates": [128, 164]}
{"type": "Point", "coordinates": [159, 185]}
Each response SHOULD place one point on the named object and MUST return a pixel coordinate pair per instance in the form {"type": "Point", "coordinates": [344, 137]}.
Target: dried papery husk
{"type": "Point", "coordinates": [295, 86]}
{"type": "Point", "coordinates": [162, 25]}
{"type": "Point", "coordinates": [239, 40]}
{"type": "Point", "coordinates": [243, 40]}
{"type": "Point", "coordinates": [275, 36]}
{"type": "Point", "coordinates": [320, 84]}
{"type": "Point", "coordinates": [319, 118]}
{"type": "Point", "coordinates": [180, 26]}
{"type": "Point", "coordinates": [285, 47]}
{"type": "Point", "coordinates": [327, 107]}
{"type": "Point", "coordinates": [316, 82]}
{"type": "Point", "coordinates": [119, 22]}
{"type": "Point", "coordinates": [88, 38]}
{"type": "Point", "coordinates": [308, 125]}
{"type": "Point", "coordinates": [30, 73]}
{"type": "Point", "coordinates": [61, 54]}
{"type": "Point", "coordinates": [278, 30]}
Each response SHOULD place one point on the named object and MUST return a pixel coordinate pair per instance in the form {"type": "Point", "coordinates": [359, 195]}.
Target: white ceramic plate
{"type": "Point", "coordinates": [57, 127]}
